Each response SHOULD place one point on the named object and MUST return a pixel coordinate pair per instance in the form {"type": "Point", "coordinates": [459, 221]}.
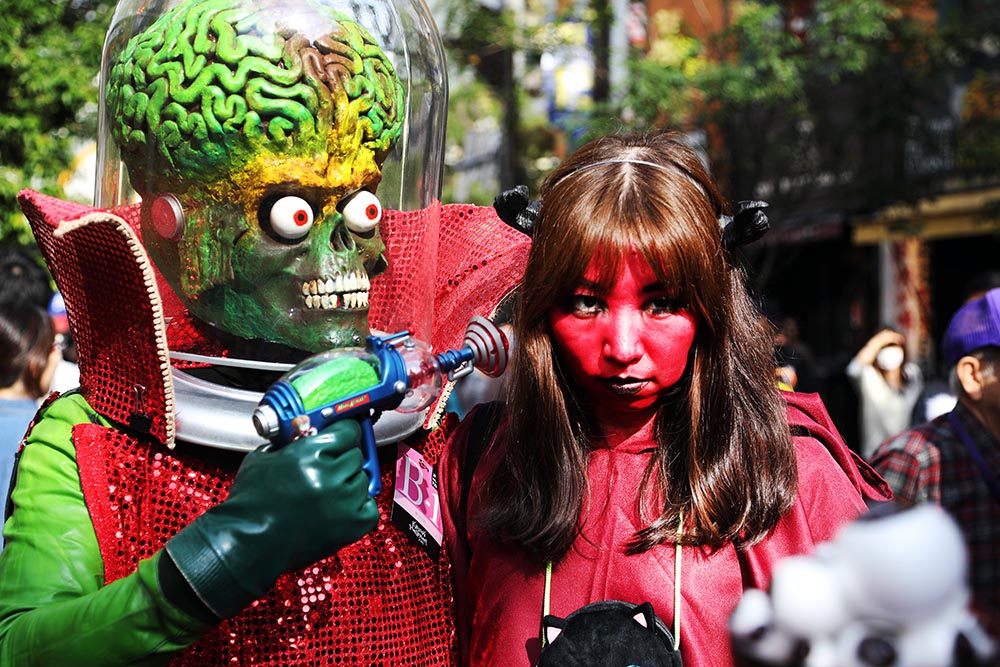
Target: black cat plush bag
{"type": "Point", "coordinates": [609, 633]}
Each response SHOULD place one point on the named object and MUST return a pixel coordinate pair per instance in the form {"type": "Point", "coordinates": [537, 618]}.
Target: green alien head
{"type": "Point", "coordinates": [255, 135]}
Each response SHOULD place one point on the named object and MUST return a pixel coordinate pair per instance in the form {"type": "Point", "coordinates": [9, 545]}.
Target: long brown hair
{"type": "Point", "coordinates": [26, 338]}
{"type": "Point", "coordinates": [724, 455]}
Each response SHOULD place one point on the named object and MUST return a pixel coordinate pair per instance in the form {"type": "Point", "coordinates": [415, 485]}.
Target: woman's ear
{"type": "Point", "coordinates": [970, 376]}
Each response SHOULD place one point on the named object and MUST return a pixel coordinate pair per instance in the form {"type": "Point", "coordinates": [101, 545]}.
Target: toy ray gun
{"type": "Point", "coordinates": [394, 372]}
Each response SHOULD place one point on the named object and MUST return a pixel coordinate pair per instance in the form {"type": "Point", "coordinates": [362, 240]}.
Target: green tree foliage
{"type": "Point", "coordinates": [795, 107]}
{"type": "Point", "coordinates": [481, 42]}
{"type": "Point", "coordinates": [766, 87]}
{"type": "Point", "coordinates": [50, 55]}
{"type": "Point", "coordinates": [831, 107]}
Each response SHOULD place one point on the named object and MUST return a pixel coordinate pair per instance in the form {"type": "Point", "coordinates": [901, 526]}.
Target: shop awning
{"type": "Point", "coordinates": [945, 216]}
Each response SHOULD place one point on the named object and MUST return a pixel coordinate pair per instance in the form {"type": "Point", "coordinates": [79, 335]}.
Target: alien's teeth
{"type": "Point", "coordinates": [350, 292]}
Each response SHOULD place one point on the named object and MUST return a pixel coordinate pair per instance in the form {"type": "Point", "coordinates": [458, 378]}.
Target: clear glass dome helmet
{"type": "Point", "coordinates": [245, 125]}
{"type": "Point", "coordinates": [265, 139]}
{"type": "Point", "coordinates": [406, 31]}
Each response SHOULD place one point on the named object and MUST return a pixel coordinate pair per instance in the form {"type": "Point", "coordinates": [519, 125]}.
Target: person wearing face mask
{"type": "Point", "coordinates": [888, 388]}
{"type": "Point", "coordinates": [954, 460]}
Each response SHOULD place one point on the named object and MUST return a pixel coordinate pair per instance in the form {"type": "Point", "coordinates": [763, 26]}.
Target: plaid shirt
{"type": "Point", "coordinates": [930, 463]}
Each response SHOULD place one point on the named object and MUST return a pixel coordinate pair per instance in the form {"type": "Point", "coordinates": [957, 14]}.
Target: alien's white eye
{"type": "Point", "coordinates": [362, 211]}
{"type": "Point", "coordinates": [291, 217]}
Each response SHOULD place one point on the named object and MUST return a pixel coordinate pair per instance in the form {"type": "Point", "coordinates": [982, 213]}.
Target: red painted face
{"type": "Point", "coordinates": [624, 347]}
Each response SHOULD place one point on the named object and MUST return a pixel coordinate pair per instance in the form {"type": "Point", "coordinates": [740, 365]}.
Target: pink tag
{"type": "Point", "coordinates": [416, 507]}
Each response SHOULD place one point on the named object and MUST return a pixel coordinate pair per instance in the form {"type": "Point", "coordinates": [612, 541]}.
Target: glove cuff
{"type": "Point", "coordinates": [178, 592]}
{"type": "Point", "coordinates": [202, 565]}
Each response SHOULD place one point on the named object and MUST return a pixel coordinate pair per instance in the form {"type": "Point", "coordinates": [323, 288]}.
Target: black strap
{"type": "Point", "coordinates": [485, 419]}
{"type": "Point", "coordinates": [8, 506]}
{"type": "Point", "coordinates": [977, 456]}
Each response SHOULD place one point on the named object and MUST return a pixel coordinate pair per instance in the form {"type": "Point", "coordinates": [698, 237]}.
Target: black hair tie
{"type": "Point", "coordinates": [746, 225]}
{"type": "Point", "coordinates": [516, 209]}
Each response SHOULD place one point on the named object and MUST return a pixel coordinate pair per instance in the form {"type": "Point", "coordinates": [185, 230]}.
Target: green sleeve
{"type": "Point", "coordinates": [54, 606]}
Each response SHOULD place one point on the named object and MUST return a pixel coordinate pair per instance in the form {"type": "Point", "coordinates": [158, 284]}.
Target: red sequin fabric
{"type": "Point", "coordinates": [114, 310]}
{"type": "Point", "coordinates": [468, 263]}
{"type": "Point", "coordinates": [379, 602]}
{"type": "Point", "coordinates": [474, 261]}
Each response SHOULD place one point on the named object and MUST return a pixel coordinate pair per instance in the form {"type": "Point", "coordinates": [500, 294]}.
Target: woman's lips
{"type": "Point", "coordinates": [623, 386]}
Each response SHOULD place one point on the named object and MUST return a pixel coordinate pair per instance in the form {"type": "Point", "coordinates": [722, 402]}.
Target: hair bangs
{"type": "Point", "coordinates": [679, 236]}
{"type": "Point", "coordinates": [573, 236]}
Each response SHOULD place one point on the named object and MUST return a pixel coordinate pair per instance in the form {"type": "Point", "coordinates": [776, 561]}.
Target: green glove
{"type": "Point", "coordinates": [287, 508]}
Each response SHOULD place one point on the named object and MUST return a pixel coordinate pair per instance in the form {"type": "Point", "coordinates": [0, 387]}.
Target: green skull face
{"type": "Point", "coordinates": [258, 153]}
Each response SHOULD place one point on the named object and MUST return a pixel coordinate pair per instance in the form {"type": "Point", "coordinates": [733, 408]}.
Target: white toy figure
{"type": "Point", "coordinates": [889, 591]}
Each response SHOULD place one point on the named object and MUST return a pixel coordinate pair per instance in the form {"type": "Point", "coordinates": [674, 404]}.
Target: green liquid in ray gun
{"type": "Point", "coordinates": [394, 372]}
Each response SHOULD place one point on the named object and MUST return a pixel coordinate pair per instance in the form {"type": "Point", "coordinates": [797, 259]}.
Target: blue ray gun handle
{"type": "Point", "coordinates": [393, 372]}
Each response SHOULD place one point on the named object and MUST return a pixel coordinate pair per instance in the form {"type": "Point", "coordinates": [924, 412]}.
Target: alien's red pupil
{"type": "Point", "coordinates": [301, 217]}
{"type": "Point", "coordinates": [371, 211]}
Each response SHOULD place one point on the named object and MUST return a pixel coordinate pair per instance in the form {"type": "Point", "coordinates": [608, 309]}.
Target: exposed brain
{"type": "Point", "coordinates": [208, 87]}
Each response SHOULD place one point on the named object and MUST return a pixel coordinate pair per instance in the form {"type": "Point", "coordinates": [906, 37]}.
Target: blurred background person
{"type": "Point", "coordinates": [955, 460]}
{"type": "Point", "coordinates": [67, 375]}
{"type": "Point", "coordinates": [888, 388]}
{"type": "Point", "coordinates": [938, 398]}
{"type": "Point", "coordinates": [796, 361]}
{"type": "Point", "coordinates": [28, 360]}
{"type": "Point", "coordinates": [23, 281]}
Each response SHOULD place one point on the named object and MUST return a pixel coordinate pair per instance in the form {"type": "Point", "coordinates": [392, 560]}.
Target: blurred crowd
{"type": "Point", "coordinates": [934, 436]}
{"type": "Point", "coordinates": [36, 350]}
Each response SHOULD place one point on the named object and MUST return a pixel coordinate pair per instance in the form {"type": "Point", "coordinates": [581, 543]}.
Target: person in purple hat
{"type": "Point", "coordinates": [954, 460]}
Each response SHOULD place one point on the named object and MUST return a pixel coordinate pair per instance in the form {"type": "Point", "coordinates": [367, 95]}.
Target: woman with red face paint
{"type": "Point", "coordinates": [642, 453]}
